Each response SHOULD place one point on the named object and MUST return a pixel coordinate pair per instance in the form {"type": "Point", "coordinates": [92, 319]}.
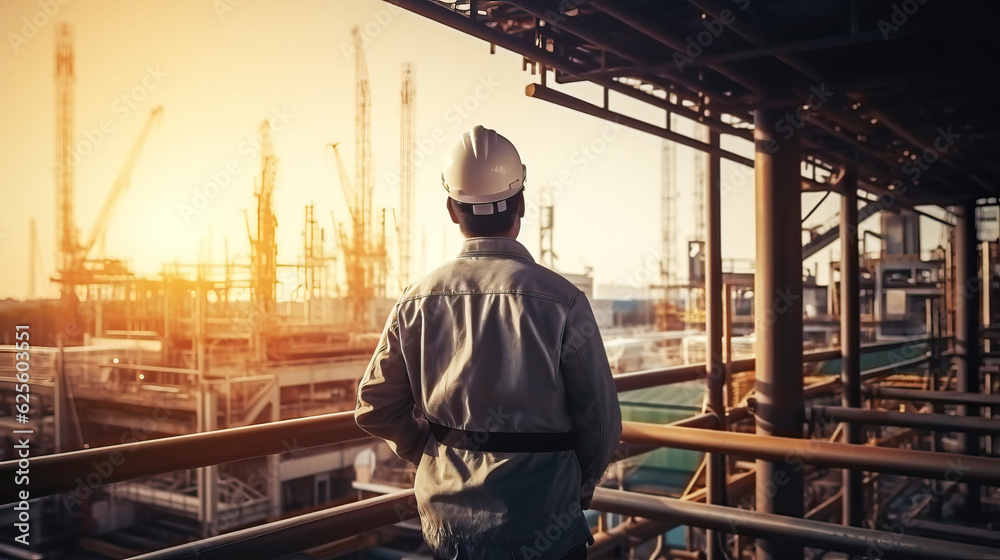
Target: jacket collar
{"type": "Point", "coordinates": [494, 246]}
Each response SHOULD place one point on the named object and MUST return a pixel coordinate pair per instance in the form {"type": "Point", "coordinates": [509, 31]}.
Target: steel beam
{"type": "Point", "coordinates": [644, 24]}
{"type": "Point", "coordinates": [778, 313]}
{"type": "Point", "coordinates": [598, 39]}
{"type": "Point", "coordinates": [966, 297]}
{"type": "Point", "coordinates": [801, 532]}
{"type": "Point", "coordinates": [539, 91]}
{"type": "Point", "coordinates": [926, 421]}
{"type": "Point", "coordinates": [850, 338]}
{"type": "Point", "coordinates": [457, 21]}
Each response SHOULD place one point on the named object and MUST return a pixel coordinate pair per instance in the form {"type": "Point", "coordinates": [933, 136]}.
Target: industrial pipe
{"type": "Point", "coordinates": [945, 422]}
{"type": "Point", "coordinates": [280, 538]}
{"type": "Point", "coordinates": [87, 469]}
{"type": "Point", "coordinates": [798, 452]}
{"type": "Point", "coordinates": [803, 532]}
{"type": "Point", "coordinates": [941, 397]}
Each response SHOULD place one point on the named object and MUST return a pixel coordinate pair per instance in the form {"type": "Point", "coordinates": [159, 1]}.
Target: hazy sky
{"type": "Point", "coordinates": [218, 73]}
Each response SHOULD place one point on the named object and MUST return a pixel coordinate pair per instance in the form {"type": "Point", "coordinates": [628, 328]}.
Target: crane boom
{"type": "Point", "coordinates": [121, 184]}
{"type": "Point", "coordinates": [347, 185]}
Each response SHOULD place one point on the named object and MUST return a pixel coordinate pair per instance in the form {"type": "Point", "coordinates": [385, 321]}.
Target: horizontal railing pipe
{"type": "Point", "coordinates": [814, 534]}
{"type": "Point", "coordinates": [924, 464]}
{"type": "Point", "coordinates": [942, 397]}
{"type": "Point", "coordinates": [691, 372]}
{"type": "Point", "coordinates": [656, 377]}
{"type": "Point", "coordinates": [824, 387]}
{"type": "Point", "coordinates": [90, 468]}
{"type": "Point", "coordinates": [926, 421]}
{"type": "Point", "coordinates": [280, 538]}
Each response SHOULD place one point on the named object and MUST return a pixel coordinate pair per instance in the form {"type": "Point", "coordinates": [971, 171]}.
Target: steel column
{"type": "Point", "coordinates": [715, 378]}
{"type": "Point", "coordinates": [778, 318]}
{"type": "Point", "coordinates": [967, 288]}
{"type": "Point", "coordinates": [853, 510]}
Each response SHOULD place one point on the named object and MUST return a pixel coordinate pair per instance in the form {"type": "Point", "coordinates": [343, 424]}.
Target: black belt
{"type": "Point", "coordinates": [504, 442]}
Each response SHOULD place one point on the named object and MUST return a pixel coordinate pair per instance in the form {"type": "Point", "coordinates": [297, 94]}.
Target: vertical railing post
{"type": "Point", "coordinates": [967, 290]}
{"type": "Point", "coordinates": [850, 338]}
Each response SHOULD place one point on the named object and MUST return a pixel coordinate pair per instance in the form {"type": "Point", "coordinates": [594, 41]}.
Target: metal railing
{"type": "Point", "coordinates": [57, 473]}
{"type": "Point", "coordinates": [305, 531]}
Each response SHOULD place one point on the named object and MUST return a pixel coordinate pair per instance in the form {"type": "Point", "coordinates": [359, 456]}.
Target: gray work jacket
{"type": "Point", "coordinates": [493, 342]}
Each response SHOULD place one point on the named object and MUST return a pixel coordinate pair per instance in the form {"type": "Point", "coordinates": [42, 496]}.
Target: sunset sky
{"type": "Point", "coordinates": [219, 72]}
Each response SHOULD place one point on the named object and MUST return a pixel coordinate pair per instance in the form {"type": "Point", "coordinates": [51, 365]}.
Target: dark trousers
{"type": "Point", "coordinates": [578, 553]}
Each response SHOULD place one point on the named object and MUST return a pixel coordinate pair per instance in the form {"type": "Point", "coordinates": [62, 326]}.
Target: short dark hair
{"type": "Point", "coordinates": [487, 225]}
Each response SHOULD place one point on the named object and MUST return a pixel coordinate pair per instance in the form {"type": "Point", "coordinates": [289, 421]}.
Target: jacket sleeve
{"type": "Point", "coordinates": [591, 395]}
{"type": "Point", "coordinates": [385, 407]}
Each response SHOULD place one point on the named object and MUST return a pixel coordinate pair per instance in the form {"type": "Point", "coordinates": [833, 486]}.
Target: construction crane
{"type": "Point", "coordinates": [362, 141]}
{"type": "Point", "coordinates": [356, 253]}
{"type": "Point", "coordinates": [667, 317]}
{"type": "Point", "coordinates": [264, 248]}
{"type": "Point", "coordinates": [33, 258]}
{"type": "Point", "coordinates": [404, 226]}
{"type": "Point", "coordinates": [348, 188]}
{"type": "Point", "coordinates": [364, 256]}
{"type": "Point", "coordinates": [121, 184]}
{"type": "Point", "coordinates": [546, 231]}
{"type": "Point", "coordinates": [66, 234]}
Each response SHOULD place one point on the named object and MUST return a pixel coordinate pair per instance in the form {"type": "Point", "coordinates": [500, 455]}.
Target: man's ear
{"type": "Point", "coordinates": [451, 210]}
{"type": "Point", "coordinates": [520, 211]}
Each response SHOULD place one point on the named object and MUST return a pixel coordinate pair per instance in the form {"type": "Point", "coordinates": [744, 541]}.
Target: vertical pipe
{"type": "Point", "coordinates": [850, 338]}
{"type": "Point", "coordinates": [59, 399]}
{"type": "Point", "coordinates": [986, 281]}
{"type": "Point", "coordinates": [727, 336]}
{"type": "Point", "coordinates": [967, 288]}
{"type": "Point", "coordinates": [937, 324]}
{"type": "Point", "coordinates": [778, 317]}
{"type": "Point", "coordinates": [274, 461]}
{"type": "Point", "coordinates": [716, 367]}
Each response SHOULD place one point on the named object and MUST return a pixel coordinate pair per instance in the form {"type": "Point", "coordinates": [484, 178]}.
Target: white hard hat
{"type": "Point", "coordinates": [482, 168]}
